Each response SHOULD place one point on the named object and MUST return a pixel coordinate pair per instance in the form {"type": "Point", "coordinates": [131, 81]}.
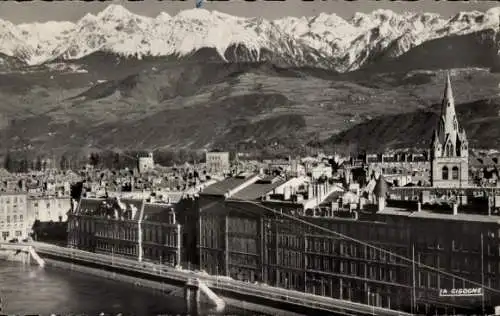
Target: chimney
{"type": "Point", "coordinates": [490, 204]}
{"type": "Point", "coordinates": [134, 210]}
{"type": "Point", "coordinates": [286, 193]}
{"type": "Point", "coordinates": [361, 204]}
{"type": "Point", "coordinates": [381, 203]}
{"type": "Point", "coordinates": [419, 206]}
{"type": "Point", "coordinates": [455, 208]}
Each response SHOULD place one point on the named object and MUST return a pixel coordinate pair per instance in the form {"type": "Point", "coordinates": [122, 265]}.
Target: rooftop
{"type": "Point", "coordinates": [259, 189]}
{"type": "Point", "coordinates": [12, 193]}
{"type": "Point", "coordinates": [424, 214]}
{"type": "Point", "coordinates": [222, 187]}
{"type": "Point", "coordinates": [105, 207]}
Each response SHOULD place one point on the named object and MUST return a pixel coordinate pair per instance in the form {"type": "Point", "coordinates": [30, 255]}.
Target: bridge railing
{"type": "Point", "coordinates": [215, 282]}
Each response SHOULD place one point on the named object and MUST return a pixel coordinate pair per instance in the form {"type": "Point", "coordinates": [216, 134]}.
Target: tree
{"type": "Point", "coordinates": [38, 163]}
{"type": "Point", "coordinates": [63, 164]}
{"type": "Point", "coordinates": [76, 191]}
{"type": "Point", "coordinates": [23, 165]}
{"type": "Point", "coordinates": [94, 159]}
{"type": "Point", "coordinates": [8, 162]}
{"type": "Point", "coordinates": [116, 161]}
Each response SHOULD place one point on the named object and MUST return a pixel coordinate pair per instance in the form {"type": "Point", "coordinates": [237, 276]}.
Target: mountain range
{"type": "Point", "coordinates": [203, 78]}
{"type": "Point", "coordinates": [326, 40]}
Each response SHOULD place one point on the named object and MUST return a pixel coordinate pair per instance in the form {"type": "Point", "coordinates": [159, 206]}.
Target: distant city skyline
{"type": "Point", "coordinates": [38, 11]}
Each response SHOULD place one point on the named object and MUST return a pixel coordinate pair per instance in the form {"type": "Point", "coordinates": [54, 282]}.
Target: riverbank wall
{"type": "Point", "coordinates": [160, 286]}
{"type": "Point", "coordinates": [15, 256]}
{"type": "Point", "coordinates": [25, 254]}
{"type": "Point", "coordinates": [165, 288]}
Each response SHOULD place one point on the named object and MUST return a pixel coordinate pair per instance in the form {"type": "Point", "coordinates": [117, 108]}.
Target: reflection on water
{"type": "Point", "coordinates": [30, 289]}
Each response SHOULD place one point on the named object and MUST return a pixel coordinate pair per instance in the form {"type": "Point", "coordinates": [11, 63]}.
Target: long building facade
{"type": "Point", "coordinates": [129, 228]}
{"type": "Point", "coordinates": [393, 256]}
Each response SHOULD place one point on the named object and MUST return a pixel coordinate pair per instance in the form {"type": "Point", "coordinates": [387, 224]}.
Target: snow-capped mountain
{"type": "Point", "coordinates": [326, 40]}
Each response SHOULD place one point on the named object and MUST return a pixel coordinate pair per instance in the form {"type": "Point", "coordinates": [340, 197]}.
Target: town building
{"type": "Point", "coordinates": [217, 162]}
{"type": "Point", "coordinates": [400, 169]}
{"type": "Point", "coordinates": [48, 209]}
{"type": "Point", "coordinates": [320, 170]}
{"type": "Point", "coordinates": [14, 221]}
{"type": "Point", "coordinates": [146, 163]}
{"type": "Point", "coordinates": [130, 228]}
{"type": "Point", "coordinates": [377, 244]}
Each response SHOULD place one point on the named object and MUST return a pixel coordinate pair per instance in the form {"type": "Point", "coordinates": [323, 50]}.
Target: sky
{"type": "Point", "coordinates": [41, 11]}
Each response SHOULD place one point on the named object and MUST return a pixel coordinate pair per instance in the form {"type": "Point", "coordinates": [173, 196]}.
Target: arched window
{"type": "Point", "coordinates": [445, 173]}
{"type": "Point", "coordinates": [454, 173]}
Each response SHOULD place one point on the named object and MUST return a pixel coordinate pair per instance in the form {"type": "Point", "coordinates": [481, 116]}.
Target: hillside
{"type": "Point", "coordinates": [9, 63]}
{"type": "Point", "coordinates": [479, 49]}
{"type": "Point", "coordinates": [481, 120]}
{"type": "Point", "coordinates": [241, 106]}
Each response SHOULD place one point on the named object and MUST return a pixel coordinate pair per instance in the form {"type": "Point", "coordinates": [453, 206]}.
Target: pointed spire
{"type": "Point", "coordinates": [435, 136]}
{"type": "Point", "coordinates": [380, 189]}
{"type": "Point", "coordinates": [448, 93]}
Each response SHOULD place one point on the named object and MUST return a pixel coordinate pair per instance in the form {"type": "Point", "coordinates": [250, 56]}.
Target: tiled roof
{"type": "Point", "coordinates": [151, 212]}
{"type": "Point", "coordinates": [156, 212]}
{"type": "Point", "coordinates": [434, 215]}
{"type": "Point", "coordinates": [484, 161]}
{"type": "Point", "coordinates": [458, 217]}
{"type": "Point", "coordinates": [88, 204]}
{"type": "Point", "coordinates": [136, 203]}
{"type": "Point", "coordinates": [332, 197]}
{"type": "Point", "coordinates": [257, 190]}
{"type": "Point", "coordinates": [222, 187]}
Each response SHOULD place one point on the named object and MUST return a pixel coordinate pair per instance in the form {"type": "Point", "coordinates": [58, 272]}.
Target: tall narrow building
{"type": "Point", "coordinates": [449, 147]}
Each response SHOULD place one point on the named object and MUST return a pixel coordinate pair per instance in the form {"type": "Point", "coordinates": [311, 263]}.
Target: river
{"type": "Point", "coordinates": [33, 290]}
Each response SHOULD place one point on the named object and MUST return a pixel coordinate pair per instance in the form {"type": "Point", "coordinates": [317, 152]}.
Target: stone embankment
{"type": "Point", "coordinates": [20, 253]}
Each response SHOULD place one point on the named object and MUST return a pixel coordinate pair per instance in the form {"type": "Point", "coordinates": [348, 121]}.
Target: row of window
{"type": "Point", "coordinates": [242, 225]}
{"type": "Point", "coordinates": [242, 244]}
{"type": "Point", "coordinates": [47, 205]}
{"type": "Point", "coordinates": [168, 238]}
{"type": "Point", "coordinates": [14, 219]}
{"type": "Point", "coordinates": [109, 231]}
{"type": "Point", "coordinates": [286, 258]}
{"type": "Point", "coordinates": [211, 235]}
{"type": "Point", "coordinates": [345, 289]}
{"type": "Point", "coordinates": [363, 231]}
{"type": "Point", "coordinates": [6, 234]}
{"type": "Point", "coordinates": [242, 259]}
{"type": "Point", "coordinates": [211, 262]}
{"type": "Point", "coordinates": [123, 249]}
{"type": "Point", "coordinates": [160, 255]}
{"type": "Point", "coordinates": [15, 199]}
{"type": "Point", "coordinates": [243, 274]}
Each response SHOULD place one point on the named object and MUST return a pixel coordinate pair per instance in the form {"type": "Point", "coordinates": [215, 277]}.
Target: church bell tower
{"type": "Point", "coordinates": [449, 147]}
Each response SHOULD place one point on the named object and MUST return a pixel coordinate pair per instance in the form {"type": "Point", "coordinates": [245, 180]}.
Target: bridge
{"type": "Point", "coordinates": [258, 293]}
